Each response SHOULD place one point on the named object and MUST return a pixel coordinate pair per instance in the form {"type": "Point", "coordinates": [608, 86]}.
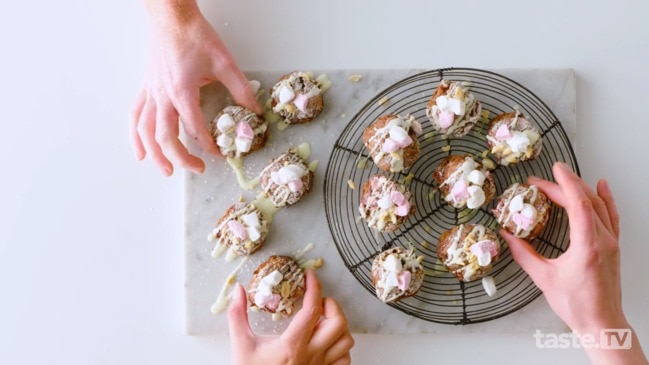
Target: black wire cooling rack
{"type": "Point", "coordinates": [442, 298]}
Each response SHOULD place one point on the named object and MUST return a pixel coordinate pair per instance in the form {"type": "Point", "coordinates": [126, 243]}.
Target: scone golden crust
{"type": "Point", "coordinates": [385, 204]}
{"type": "Point", "coordinates": [453, 110]}
{"type": "Point", "coordinates": [297, 98]}
{"type": "Point", "coordinates": [238, 131]}
{"type": "Point", "coordinates": [523, 210]}
{"type": "Point", "coordinates": [397, 273]}
{"type": "Point", "coordinates": [392, 142]}
{"type": "Point", "coordinates": [468, 251]}
{"type": "Point", "coordinates": [276, 285]}
{"type": "Point", "coordinates": [243, 228]}
{"type": "Point", "coordinates": [463, 182]}
{"type": "Point", "coordinates": [513, 139]}
{"type": "Point", "coordinates": [286, 180]}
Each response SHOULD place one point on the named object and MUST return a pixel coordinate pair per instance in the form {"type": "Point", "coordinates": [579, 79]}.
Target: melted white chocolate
{"type": "Point", "coordinates": [224, 296]}
{"type": "Point", "coordinates": [237, 166]}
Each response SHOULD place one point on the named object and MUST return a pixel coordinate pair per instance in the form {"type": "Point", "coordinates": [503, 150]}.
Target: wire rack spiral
{"type": "Point", "coordinates": [442, 298]}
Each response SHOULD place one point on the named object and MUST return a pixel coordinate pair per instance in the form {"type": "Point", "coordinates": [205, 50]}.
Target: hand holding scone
{"type": "Point", "coordinates": [317, 335]}
{"type": "Point", "coordinates": [186, 54]}
{"type": "Point", "coordinates": [583, 285]}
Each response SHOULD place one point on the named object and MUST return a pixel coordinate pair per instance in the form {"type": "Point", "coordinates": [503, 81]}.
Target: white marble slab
{"type": "Point", "coordinates": [207, 196]}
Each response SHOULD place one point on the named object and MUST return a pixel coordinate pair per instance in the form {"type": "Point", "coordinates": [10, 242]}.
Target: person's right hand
{"type": "Point", "coordinates": [187, 53]}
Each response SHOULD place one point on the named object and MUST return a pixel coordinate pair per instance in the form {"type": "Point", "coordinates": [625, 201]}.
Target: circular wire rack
{"type": "Point", "coordinates": [442, 298]}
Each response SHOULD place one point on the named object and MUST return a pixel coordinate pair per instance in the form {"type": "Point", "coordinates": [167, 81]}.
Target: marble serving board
{"type": "Point", "coordinates": [207, 197]}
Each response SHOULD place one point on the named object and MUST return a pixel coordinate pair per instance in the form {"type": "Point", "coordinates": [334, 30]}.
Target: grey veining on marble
{"type": "Point", "coordinates": [207, 197]}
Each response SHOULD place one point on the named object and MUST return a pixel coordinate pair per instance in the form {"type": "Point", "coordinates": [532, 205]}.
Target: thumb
{"type": "Point", "coordinates": [239, 87]}
{"type": "Point", "coordinates": [238, 316]}
{"type": "Point", "coordinates": [526, 256]}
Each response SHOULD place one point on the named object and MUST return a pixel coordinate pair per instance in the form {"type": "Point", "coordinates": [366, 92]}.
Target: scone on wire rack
{"type": "Point", "coordinates": [277, 285]}
{"type": "Point", "coordinates": [513, 139]}
{"type": "Point", "coordinates": [286, 179]}
{"type": "Point", "coordinates": [453, 110]}
{"type": "Point", "coordinates": [385, 204]}
{"type": "Point", "coordinates": [463, 182]}
{"type": "Point", "coordinates": [468, 251]}
{"type": "Point", "coordinates": [392, 142]}
{"type": "Point", "coordinates": [238, 131]}
{"type": "Point", "coordinates": [243, 228]}
{"type": "Point", "coordinates": [397, 274]}
{"type": "Point", "coordinates": [523, 210]}
{"type": "Point", "coordinates": [297, 98]}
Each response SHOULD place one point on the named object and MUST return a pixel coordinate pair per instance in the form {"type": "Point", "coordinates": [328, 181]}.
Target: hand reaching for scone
{"type": "Point", "coordinates": [317, 335]}
{"type": "Point", "coordinates": [583, 285]}
{"type": "Point", "coordinates": [186, 54]}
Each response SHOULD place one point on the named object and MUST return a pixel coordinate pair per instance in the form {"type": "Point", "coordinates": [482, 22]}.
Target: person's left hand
{"type": "Point", "coordinates": [317, 335]}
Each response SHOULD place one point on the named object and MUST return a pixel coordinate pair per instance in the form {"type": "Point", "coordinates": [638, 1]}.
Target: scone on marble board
{"type": "Point", "coordinates": [238, 131]}
{"type": "Point", "coordinates": [523, 210]}
{"type": "Point", "coordinates": [392, 142]}
{"type": "Point", "coordinates": [463, 182]}
{"type": "Point", "coordinates": [277, 285]}
{"type": "Point", "coordinates": [453, 110]}
{"type": "Point", "coordinates": [243, 228]}
{"type": "Point", "coordinates": [385, 204]}
{"type": "Point", "coordinates": [286, 179]}
{"type": "Point", "coordinates": [513, 139]}
{"type": "Point", "coordinates": [297, 97]}
{"type": "Point", "coordinates": [468, 251]}
{"type": "Point", "coordinates": [397, 274]}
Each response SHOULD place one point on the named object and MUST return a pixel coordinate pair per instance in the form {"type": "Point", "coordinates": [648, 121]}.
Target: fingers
{"type": "Point", "coordinates": [187, 103]}
{"type": "Point", "coordinates": [604, 192]}
{"type": "Point", "coordinates": [238, 317]}
{"type": "Point", "coordinates": [146, 129]}
{"type": "Point", "coordinates": [332, 326]}
{"type": "Point", "coordinates": [134, 117]}
{"type": "Point", "coordinates": [167, 137]}
{"type": "Point", "coordinates": [527, 257]}
{"type": "Point", "coordinates": [578, 204]}
{"type": "Point", "coordinates": [345, 360]}
{"type": "Point", "coordinates": [301, 328]}
{"type": "Point", "coordinates": [552, 190]}
{"type": "Point", "coordinates": [340, 349]}
{"type": "Point", "coordinates": [239, 86]}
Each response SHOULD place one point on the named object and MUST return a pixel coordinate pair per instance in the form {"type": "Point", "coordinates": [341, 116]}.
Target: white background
{"type": "Point", "coordinates": [91, 256]}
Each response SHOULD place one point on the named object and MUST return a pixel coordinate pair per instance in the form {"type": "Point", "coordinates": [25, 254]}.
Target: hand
{"type": "Point", "coordinates": [309, 339]}
{"type": "Point", "coordinates": [187, 53]}
{"type": "Point", "coordinates": [582, 286]}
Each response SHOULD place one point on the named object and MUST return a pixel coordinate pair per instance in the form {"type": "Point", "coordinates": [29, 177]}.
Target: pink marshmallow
{"type": "Point", "coordinates": [484, 247]}
{"type": "Point", "coordinates": [301, 101]}
{"type": "Point", "coordinates": [502, 133]}
{"type": "Point", "coordinates": [416, 127]}
{"type": "Point", "coordinates": [295, 185]}
{"type": "Point", "coordinates": [272, 302]}
{"type": "Point", "coordinates": [244, 131]}
{"type": "Point", "coordinates": [522, 221]}
{"type": "Point", "coordinates": [404, 280]}
{"type": "Point", "coordinates": [403, 210]}
{"type": "Point", "coordinates": [405, 143]}
{"type": "Point", "coordinates": [397, 198]}
{"type": "Point", "coordinates": [446, 119]}
{"type": "Point", "coordinates": [238, 229]}
{"type": "Point", "coordinates": [375, 182]}
{"type": "Point", "coordinates": [390, 146]}
{"type": "Point", "coordinates": [460, 191]}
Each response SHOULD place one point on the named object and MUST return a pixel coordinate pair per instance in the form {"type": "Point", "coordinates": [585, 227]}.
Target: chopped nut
{"type": "Point", "coordinates": [485, 114]}
{"type": "Point", "coordinates": [497, 148]}
{"type": "Point", "coordinates": [507, 151]}
{"type": "Point", "coordinates": [355, 78]}
{"type": "Point", "coordinates": [230, 280]}
{"type": "Point", "coordinates": [431, 195]}
{"type": "Point", "coordinates": [408, 178]}
{"type": "Point", "coordinates": [383, 101]}
{"type": "Point", "coordinates": [351, 184]}
{"type": "Point", "coordinates": [429, 135]}
{"type": "Point", "coordinates": [240, 198]}
{"type": "Point", "coordinates": [420, 259]}
{"type": "Point", "coordinates": [512, 158]}
{"type": "Point", "coordinates": [488, 164]}
{"type": "Point", "coordinates": [484, 153]}
{"type": "Point", "coordinates": [285, 290]}
{"type": "Point", "coordinates": [446, 148]}
{"type": "Point", "coordinates": [459, 93]}
{"type": "Point", "coordinates": [424, 244]}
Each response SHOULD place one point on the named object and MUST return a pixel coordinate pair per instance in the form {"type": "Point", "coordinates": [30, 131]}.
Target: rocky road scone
{"type": "Point", "coordinates": [523, 210]}
{"type": "Point", "coordinates": [392, 142]}
{"type": "Point", "coordinates": [397, 273]}
{"type": "Point", "coordinates": [297, 98]}
{"type": "Point", "coordinates": [238, 131]}
{"type": "Point", "coordinates": [463, 182]}
{"type": "Point", "coordinates": [468, 251]}
{"type": "Point", "coordinates": [243, 228]}
{"type": "Point", "coordinates": [453, 110]}
{"type": "Point", "coordinates": [513, 139]}
{"type": "Point", "coordinates": [277, 285]}
{"type": "Point", "coordinates": [286, 180]}
{"type": "Point", "coordinates": [385, 204]}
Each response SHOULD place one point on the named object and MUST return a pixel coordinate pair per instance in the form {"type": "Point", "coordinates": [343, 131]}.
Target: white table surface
{"type": "Point", "coordinates": [91, 256]}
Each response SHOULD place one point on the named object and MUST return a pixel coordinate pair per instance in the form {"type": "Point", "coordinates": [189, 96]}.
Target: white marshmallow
{"type": "Point", "coordinates": [224, 141]}
{"type": "Point", "coordinates": [391, 281]}
{"type": "Point", "coordinates": [253, 233]}
{"type": "Point", "coordinates": [468, 166]}
{"type": "Point", "coordinates": [289, 173]}
{"type": "Point", "coordinates": [392, 264]}
{"type": "Point", "coordinates": [484, 259]}
{"type": "Point", "coordinates": [477, 177]}
{"type": "Point", "coordinates": [260, 299]}
{"type": "Point", "coordinates": [516, 204]}
{"type": "Point", "coordinates": [529, 211]}
{"type": "Point", "coordinates": [251, 220]}
{"type": "Point", "coordinates": [518, 142]}
{"type": "Point", "coordinates": [398, 134]}
{"type": "Point", "coordinates": [272, 279]}
{"type": "Point", "coordinates": [243, 145]}
{"type": "Point", "coordinates": [385, 203]}
{"type": "Point", "coordinates": [476, 197]}
{"type": "Point", "coordinates": [489, 286]}
{"type": "Point", "coordinates": [286, 94]}
{"type": "Point", "coordinates": [225, 123]}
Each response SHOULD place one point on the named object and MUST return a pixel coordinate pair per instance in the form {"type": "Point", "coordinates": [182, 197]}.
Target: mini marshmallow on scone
{"type": "Point", "coordinates": [297, 98]}
{"type": "Point", "coordinates": [513, 139]}
{"type": "Point", "coordinates": [397, 273]}
{"type": "Point", "coordinates": [276, 285]}
{"type": "Point", "coordinates": [453, 110]}
{"type": "Point", "coordinates": [238, 131]}
{"type": "Point", "coordinates": [523, 210]}
{"type": "Point", "coordinates": [468, 251]}
{"type": "Point", "coordinates": [287, 179]}
{"type": "Point", "coordinates": [243, 228]}
{"type": "Point", "coordinates": [392, 142]}
{"type": "Point", "coordinates": [385, 204]}
{"type": "Point", "coordinates": [464, 182]}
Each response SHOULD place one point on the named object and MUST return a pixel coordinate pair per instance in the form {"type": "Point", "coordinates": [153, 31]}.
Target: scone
{"type": "Point", "coordinates": [392, 142]}
{"type": "Point", "coordinates": [523, 210]}
{"type": "Point", "coordinates": [397, 273]}
{"type": "Point", "coordinates": [468, 251]}
{"type": "Point", "coordinates": [385, 204]}
{"type": "Point", "coordinates": [276, 285]}
{"type": "Point", "coordinates": [243, 228]}
{"type": "Point", "coordinates": [463, 182]}
{"type": "Point", "coordinates": [453, 110]}
{"type": "Point", "coordinates": [238, 131]}
{"type": "Point", "coordinates": [297, 98]}
{"type": "Point", "coordinates": [286, 180]}
{"type": "Point", "coordinates": [513, 139]}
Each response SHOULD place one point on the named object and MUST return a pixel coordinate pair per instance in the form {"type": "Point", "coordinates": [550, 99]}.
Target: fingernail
{"type": "Point", "coordinates": [533, 179]}
{"type": "Point", "coordinates": [564, 167]}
